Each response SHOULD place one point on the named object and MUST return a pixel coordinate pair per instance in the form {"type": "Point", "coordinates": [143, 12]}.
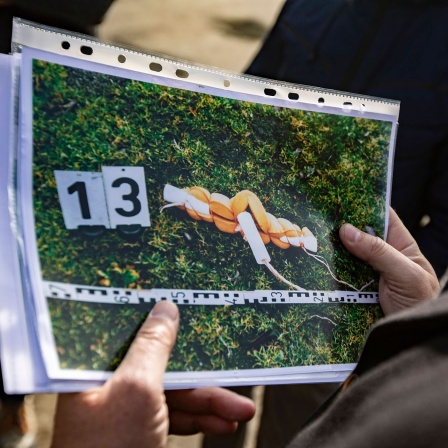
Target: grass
{"type": "Point", "coordinates": [317, 170]}
{"type": "Point", "coordinates": [216, 338]}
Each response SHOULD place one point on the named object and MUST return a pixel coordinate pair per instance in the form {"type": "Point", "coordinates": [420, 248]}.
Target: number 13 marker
{"type": "Point", "coordinates": [115, 197]}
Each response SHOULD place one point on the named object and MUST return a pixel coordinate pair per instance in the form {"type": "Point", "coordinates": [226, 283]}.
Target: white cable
{"type": "Point", "coordinates": [324, 262]}
{"type": "Point", "coordinates": [280, 277]}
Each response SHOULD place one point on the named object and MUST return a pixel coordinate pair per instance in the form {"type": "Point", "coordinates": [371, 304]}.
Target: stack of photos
{"type": "Point", "coordinates": [135, 188]}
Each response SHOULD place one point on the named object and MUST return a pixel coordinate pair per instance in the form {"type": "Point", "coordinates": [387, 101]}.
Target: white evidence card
{"type": "Point", "coordinates": [117, 196]}
{"type": "Point", "coordinates": [126, 195]}
{"type": "Point", "coordinates": [82, 198]}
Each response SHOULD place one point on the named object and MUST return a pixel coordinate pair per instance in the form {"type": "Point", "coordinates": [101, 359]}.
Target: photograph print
{"type": "Point", "coordinates": [145, 187]}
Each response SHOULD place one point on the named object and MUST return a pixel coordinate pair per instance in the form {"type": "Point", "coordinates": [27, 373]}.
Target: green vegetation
{"type": "Point", "coordinates": [213, 338]}
{"type": "Point", "coordinates": [315, 169]}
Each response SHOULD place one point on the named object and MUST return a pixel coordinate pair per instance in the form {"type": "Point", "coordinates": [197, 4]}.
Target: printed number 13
{"type": "Point", "coordinates": [114, 197]}
{"type": "Point", "coordinates": [80, 188]}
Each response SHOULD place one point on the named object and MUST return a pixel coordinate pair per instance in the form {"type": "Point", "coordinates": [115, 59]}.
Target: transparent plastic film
{"type": "Point", "coordinates": [142, 179]}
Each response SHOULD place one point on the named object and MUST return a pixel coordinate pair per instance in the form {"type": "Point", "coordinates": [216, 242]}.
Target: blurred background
{"type": "Point", "coordinates": [223, 33]}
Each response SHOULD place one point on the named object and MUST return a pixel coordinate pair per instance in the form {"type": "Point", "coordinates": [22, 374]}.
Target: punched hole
{"type": "Point", "coordinates": [88, 51]}
{"type": "Point", "coordinates": [182, 73]}
{"type": "Point", "coordinates": [270, 92]}
{"type": "Point", "coordinates": [293, 96]}
{"type": "Point", "coordinates": [65, 45]}
{"type": "Point", "coordinates": [155, 67]}
{"type": "Point", "coordinates": [348, 103]}
{"type": "Point", "coordinates": [321, 101]}
{"type": "Point", "coordinates": [226, 83]}
{"type": "Point", "coordinates": [121, 59]}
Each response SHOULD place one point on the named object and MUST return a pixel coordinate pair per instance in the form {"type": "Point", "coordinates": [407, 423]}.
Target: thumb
{"type": "Point", "coordinates": [148, 355]}
{"type": "Point", "coordinates": [373, 250]}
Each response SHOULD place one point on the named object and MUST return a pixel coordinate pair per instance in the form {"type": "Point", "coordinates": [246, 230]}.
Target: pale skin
{"type": "Point", "coordinates": [407, 278]}
{"type": "Point", "coordinates": [132, 409]}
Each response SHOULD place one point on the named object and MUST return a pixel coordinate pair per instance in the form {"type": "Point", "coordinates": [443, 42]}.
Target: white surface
{"type": "Point", "coordinates": [253, 237]}
{"type": "Point", "coordinates": [17, 368]}
{"type": "Point", "coordinates": [244, 86]}
{"type": "Point", "coordinates": [70, 203]}
{"type": "Point", "coordinates": [22, 366]}
{"type": "Point", "coordinates": [127, 201]}
{"type": "Point", "coordinates": [176, 195]}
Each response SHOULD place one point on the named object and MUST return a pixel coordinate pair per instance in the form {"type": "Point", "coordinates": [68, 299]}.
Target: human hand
{"type": "Point", "coordinates": [131, 408]}
{"type": "Point", "coordinates": [407, 277]}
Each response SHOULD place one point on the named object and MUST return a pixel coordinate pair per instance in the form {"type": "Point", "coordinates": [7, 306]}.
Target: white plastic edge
{"type": "Point", "coordinates": [52, 40]}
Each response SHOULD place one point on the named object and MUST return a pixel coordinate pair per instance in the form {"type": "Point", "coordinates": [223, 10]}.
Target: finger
{"type": "Point", "coordinates": [376, 252]}
{"type": "Point", "coordinates": [183, 423]}
{"type": "Point", "coordinates": [151, 348]}
{"type": "Point", "coordinates": [213, 401]}
{"type": "Point", "coordinates": [373, 250]}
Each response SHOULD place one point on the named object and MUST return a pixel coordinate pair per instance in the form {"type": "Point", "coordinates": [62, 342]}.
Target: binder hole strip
{"type": "Point", "coordinates": [53, 40]}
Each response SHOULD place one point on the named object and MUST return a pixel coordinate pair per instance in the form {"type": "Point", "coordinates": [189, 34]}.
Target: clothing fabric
{"type": "Point", "coordinates": [384, 48]}
{"type": "Point", "coordinates": [399, 394]}
{"type": "Point", "coordinates": [286, 408]}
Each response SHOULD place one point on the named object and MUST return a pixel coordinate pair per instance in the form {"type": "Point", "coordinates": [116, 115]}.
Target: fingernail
{"type": "Point", "coordinates": [351, 233]}
{"type": "Point", "coordinates": [167, 310]}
